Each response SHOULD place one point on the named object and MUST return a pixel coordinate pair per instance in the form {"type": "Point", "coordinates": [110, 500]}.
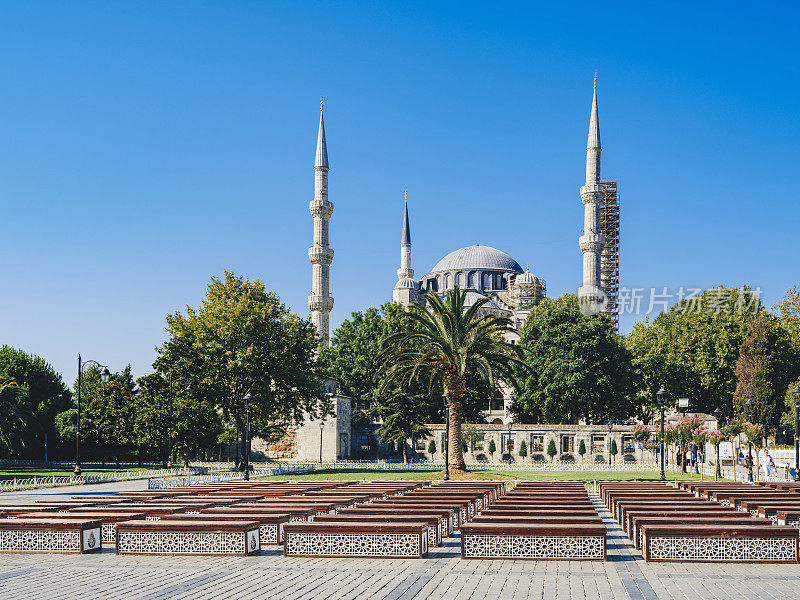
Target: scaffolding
{"type": "Point", "coordinates": [609, 259]}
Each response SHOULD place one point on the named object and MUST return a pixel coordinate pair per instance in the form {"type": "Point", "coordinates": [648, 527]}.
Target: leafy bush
{"type": "Point", "coordinates": [431, 447]}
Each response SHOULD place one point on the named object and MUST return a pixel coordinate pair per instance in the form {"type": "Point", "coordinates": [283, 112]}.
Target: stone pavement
{"type": "Point", "coordinates": [441, 576]}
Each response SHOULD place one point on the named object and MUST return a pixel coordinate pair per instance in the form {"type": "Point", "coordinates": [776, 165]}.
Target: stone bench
{"type": "Point", "coordinates": [554, 540]}
{"type": "Point", "coordinates": [643, 510]}
{"type": "Point", "coordinates": [270, 525]}
{"type": "Point", "coordinates": [188, 537]}
{"type": "Point", "coordinates": [50, 535]}
{"type": "Point", "coordinates": [152, 512]}
{"type": "Point", "coordinates": [624, 508]}
{"type": "Point", "coordinates": [435, 530]}
{"type": "Point", "coordinates": [770, 510]}
{"type": "Point", "coordinates": [461, 508]}
{"type": "Point", "coordinates": [788, 518]}
{"type": "Point", "coordinates": [447, 516]}
{"type": "Point", "coordinates": [734, 518]}
{"type": "Point", "coordinates": [295, 514]}
{"type": "Point", "coordinates": [319, 508]}
{"type": "Point", "coordinates": [380, 540]}
{"type": "Point", "coordinates": [107, 519]}
{"type": "Point", "coordinates": [720, 543]}
{"type": "Point", "coordinates": [12, 510]}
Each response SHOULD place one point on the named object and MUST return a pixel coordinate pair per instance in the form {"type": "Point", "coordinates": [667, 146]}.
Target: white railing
{"type": "Point", "coordinates": [28, 483]}
{"type": "Point", "coordinates": [498, 466]}
{"type": "Point", "coordinates": [178, 482]}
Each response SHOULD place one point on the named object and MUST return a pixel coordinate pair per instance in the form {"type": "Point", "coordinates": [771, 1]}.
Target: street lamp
{"type": "Point", "coordinates": [321, 427]}
{"type": "Point", "coordinates": [718, 416]}
{"type": "Point", "coordinates": [247, 399]}
{"type": "Point", "coordinates": [749, 405]}
{"type": "Point", "coordinates": [446, 397]}
{"type": "Point", "coordinates": [661, 393]}
{"type": "Point", "coordinates": [796, 394]}
{"type": "Point", "coordinates": [105, 375]}
{"type": "Point", "coordinates": [683, 406]}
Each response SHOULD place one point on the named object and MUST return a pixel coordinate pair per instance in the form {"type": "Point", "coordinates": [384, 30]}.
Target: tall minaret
{"type": "Point", "coordinates": [406, 291]}
{"type": "Point", "coordinates": [320, 254]}
{"type": "Point", "coordinates": [591, 242]}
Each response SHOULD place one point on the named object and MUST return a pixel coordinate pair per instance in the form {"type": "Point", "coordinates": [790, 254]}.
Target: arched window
{"type": "Point", "coordinates": [460, 280]}
{"type": "Point", "coordinates": [487, 281]}
{"type": "Point", "coordinates": [472, 282]}
{"type": "Point", "coordinates": [446, 282]}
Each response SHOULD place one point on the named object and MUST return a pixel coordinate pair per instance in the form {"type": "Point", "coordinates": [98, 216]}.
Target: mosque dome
{"type": "Point", "coordinates": [406, 282]}
{"type": "Point", "coordinates": [477, 257]}
{"type": "Point", "coordinates": [526, 278]}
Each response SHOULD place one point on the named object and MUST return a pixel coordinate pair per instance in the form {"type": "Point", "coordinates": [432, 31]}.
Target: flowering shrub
{"type": "Point", "coordinates": [753, 432]}
{"type": "Point", "coordinates": [700, 435]}
{"type": "Point", "coordinates": [641, 432]}
{"type": "Point", "coordinates": [715, 437]}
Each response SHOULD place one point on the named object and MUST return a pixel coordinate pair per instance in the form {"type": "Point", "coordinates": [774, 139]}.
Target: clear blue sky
{"type": "Point", "coordinates": [146, 146]}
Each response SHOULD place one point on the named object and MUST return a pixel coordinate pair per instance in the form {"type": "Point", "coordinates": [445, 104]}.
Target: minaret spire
{"type": "Point", "coordinates": [406, 291]}
{"type": "Point", "coordinates": [591, 242]}
{"type": "Point", "coordinates": [320, 254]}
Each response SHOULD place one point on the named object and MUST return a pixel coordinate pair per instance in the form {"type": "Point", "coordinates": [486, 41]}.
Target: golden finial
{"type": "Point", "coordinates": [406, 195]}
{"type": "Point", "coordinates": [320, 100]}
{"type": "Point", "coordinates": [595, 81]}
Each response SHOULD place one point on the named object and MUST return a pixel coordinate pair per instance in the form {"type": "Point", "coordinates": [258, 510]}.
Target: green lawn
{"type": "Point", "coordinates": [336, 474]}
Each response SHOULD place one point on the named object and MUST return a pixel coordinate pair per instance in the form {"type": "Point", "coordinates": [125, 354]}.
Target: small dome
{"type": "Point", "coordinates": [406, 282]}
{"type": "Point", "coordinates": [526, 277]}
{"type": "Point", "coordinates": [477, 257]}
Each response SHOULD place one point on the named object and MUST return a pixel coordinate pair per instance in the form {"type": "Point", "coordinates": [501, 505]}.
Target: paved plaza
{"type": "Point", "coordinates": [443, 575]}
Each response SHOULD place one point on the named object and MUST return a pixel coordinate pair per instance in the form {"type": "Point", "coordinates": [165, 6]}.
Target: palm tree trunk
{"type": "Point", "coordinates": [457, 387]}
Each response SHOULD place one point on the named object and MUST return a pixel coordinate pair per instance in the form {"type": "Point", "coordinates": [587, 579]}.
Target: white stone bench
{"type": "Point", "coordinates": [381, 540]}
{"type": "Point", "coordinates": [555, 541]}
{"type": "Point", "coordinates": [720, 543]}
{"type": "Point", "coordinates": [188, 537]}
{"type": "Point", "coordinates": [50, 535]}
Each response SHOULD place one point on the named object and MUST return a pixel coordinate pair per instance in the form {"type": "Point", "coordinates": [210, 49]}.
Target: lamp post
{"type": "Point", "coordinates": [796, 394]}
{"type": "Point", "coordinates": [749, 405]}
{"type": "Point", "coordinates": [718, 415]}
{"type": "Point", "coordinates": [247, 399]}
{"type": "Point", "coordinates": [660, 394]}
{"type": "Point", "coordinates": [321, 427]}
{"type": "Point", "coordinates": [105, 375]}
{"type": "Point", "coordinates": [683, 406]}
{"type": "Point", "coordinates": [446, 397]}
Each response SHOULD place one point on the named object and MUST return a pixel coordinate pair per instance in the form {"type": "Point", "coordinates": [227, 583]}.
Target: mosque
{"type": "Point", "coordinates": [481, 269]}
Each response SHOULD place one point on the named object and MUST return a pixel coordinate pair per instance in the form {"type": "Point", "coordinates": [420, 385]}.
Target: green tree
{"type": "Point", "coordinates": [402, 415]}
{"type": "Point", "coordinates": [614, 449]}
{"type": "Point", "coordinates": [431, 448]}
{"type": "Point", "coordinates": [351, 356]}
{"type": "Point", "coordinates": [766, 366]}
{"type": "Point", "coordinates": [551, 449]}
{"type": "Point", "coordinates": [691, 350]}
{"type": "Point", "coordinates": [449, 342]}
{"type": "Point", "coordinates": [41, 396]}
{"type": "Point", "coordinates": [14, 416]}
{"type": "Point", "coordinates": [491, 448]}
{"type": "Point", "coordinates": [787, 311]}
{"type": "Point", "coordinates": [582, 449]}
{"type": "Point", "coordinates": [242, 341]}
{"type": "Point", "coordinates": [523, 449]}
{"type": "Point", "coordinates": [579, 368]}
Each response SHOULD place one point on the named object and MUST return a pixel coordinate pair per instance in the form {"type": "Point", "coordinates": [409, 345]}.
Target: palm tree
{"type": "Point", "coordinates": [13, 416]}
{"type": "Point", "coordinates": [445, 344]}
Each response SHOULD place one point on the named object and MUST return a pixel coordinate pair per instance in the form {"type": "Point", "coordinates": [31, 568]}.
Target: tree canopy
{"type": "Point", "coordinates": [691, 350]}
{"type": "Point", "coordinates": [41, 395]}
{"type": "Point", "coordinates": [579, 367]}
{"type": "Point", "coordinates": [243, 342]}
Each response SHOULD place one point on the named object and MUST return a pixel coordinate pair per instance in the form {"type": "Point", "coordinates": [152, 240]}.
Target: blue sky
{"type": "Point", "coordinates": [146, 146]}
